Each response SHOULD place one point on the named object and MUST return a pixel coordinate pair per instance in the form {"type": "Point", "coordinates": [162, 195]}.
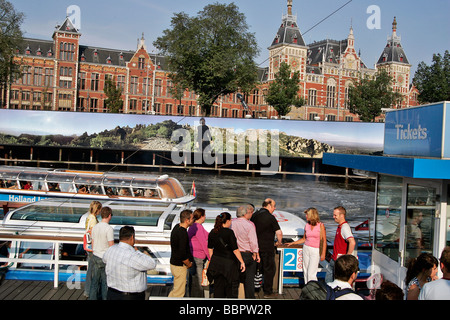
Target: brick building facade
{"type": "Point", "coordinates": [62, 74]}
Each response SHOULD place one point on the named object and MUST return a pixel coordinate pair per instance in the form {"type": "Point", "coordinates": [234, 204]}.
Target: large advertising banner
{"type": "Point", "coordinates": [288, 138]}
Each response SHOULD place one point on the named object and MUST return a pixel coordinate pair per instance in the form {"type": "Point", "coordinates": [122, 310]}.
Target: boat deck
{"type": "Point", "coordinates": [44, 290]}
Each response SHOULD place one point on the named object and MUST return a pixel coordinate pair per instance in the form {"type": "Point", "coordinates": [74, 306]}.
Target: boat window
{"type": "Point", "coordinates": [388, 213]}
{"type": "Point", "coordinates": [9, 184]}
{"type": "Point", "coordinates": [50, 213]}
{"type": "Point", "coordinates": [35, 250]}
{"type": "Point", "coordinates": [168, 221]}
{"type": "Point", "coordinates": [60, 182]}
{"type": "Point", "coordinates": [420, 219]}
{"type": "Point", "coordinates": [89, 184]}
{"type": "Point", "coordinates": [136, 215]}
{"type": "Point", "coordinates": [117, 181]}
{"type": "Point", "coordinates": [32, 181]}
{"type": "Point", "coordinates": [142, 183]}
{"type": "Point", "coordinates": [146, 193]}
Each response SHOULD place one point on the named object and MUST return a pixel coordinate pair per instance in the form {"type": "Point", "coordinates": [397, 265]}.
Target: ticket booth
{"type": "Point", "coordinates": [411, 214]}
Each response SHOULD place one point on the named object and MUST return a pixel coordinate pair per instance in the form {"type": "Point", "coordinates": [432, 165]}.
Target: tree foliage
{"type": "Point", "coordinates": [433, 82]}
{"type": "Point", "coordinates": [212, 53]}
{"type": "Point", "coordinates": [10, 39]}
{"type": "Point", "coordinates": [114, 101]}
{"type": "Point", "coordinates": [283, 92]}
{"type": "Point", "coordinates": [368, 97]}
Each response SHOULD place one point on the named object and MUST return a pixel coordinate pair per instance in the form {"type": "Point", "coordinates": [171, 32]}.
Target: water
{"type": "Point", "coordinates": [292, 194]}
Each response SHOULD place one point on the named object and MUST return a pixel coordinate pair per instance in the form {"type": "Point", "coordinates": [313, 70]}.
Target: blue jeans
{"type": "Point", "coordinates": [99, 287]}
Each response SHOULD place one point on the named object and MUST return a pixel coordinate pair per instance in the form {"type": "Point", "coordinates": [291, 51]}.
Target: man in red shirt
{"type": "Point", "coordinates": [344, 242]}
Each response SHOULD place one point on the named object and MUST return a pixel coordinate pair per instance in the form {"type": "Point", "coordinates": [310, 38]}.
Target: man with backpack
{"type": "Point", "coordinates": [345, 273]}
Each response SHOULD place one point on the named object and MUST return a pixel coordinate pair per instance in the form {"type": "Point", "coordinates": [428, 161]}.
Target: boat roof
{"type": "Point", "coordinates": [170, 188]}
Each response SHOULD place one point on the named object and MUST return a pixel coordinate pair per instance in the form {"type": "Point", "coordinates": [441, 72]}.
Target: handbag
{"type": "Point", "coordinates": [87, 242]}
{"type": "Point", "coordinates": [205, 281]}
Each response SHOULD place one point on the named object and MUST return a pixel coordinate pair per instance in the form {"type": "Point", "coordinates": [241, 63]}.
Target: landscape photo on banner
{"type": "Point", "coordinates": [295, 138]}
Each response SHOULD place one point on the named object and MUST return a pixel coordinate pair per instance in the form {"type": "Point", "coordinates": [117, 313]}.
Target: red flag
{"type": "Point", "coordinates": [193, 191]}
{"type": "Point", "coordinates": [363, 226]}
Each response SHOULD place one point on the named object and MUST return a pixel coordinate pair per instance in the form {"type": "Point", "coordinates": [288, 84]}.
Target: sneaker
{"type": "Point", "coordinates": [270, 296]}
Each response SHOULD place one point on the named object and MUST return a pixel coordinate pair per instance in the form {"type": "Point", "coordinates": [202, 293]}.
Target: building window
{"type": "Point", "coordinates": [312, 97]}
{"type": "Point", "coordinates": [95, 79]}
{"type": "Point", "coordinates": [168, 109]}
{"type": "Point", "coordinates": [65, 72]}
{"type": "Point", "coordinates": [141, 63]}
{"type": "Point", "coordinates": [82, 81]}
{"type": "Point", "coordinates": [48, 78]}
{"type": "Point", "coordinates": [121, 82]}
{"type": "Point", "coordinates": [133, 105]}
{"type": "Point", "coordinates": [331, 93]}
{"type": "Point", "coordinates": [158, 88]}
{"type": "Point", "coordinates": [14, 95]}
{"type": "Point", "coordinates": [66, 51]}
{"type": "Point", "coordinates": [38, 76]}
{"type": "Point", "coordinates": [134, 85]}
{"type": "Point", "coordinates": [25, 96]}
{"type": "Point", "coordinates": [146, 86]}
{"type": "Point", "coordinates": [93, 105]}
{"type": "Point", "coordinates": [26, 75]}
{"type": "Point", "coordinates": [65, 84]}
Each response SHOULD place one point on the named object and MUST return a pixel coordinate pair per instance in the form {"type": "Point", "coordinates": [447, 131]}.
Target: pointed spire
{"type": "Point", "coordinates": [351, 37]}
{"type": "Point", "coordinates": [289, 6]}
{"type": "Point", "coordinates": [394, 26]}
{"type": "Point", "coordinates": [141, 43]}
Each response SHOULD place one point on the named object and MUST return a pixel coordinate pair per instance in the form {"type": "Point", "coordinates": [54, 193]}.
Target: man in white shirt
{"type": "Point", "coordinates": [126, 268]}
{"type": "Point", "coordinates": [345, 273]}
{"type": "Point", "coordinates": [102, 239]}
{"type": "Point", "coordinates": [439, 289]}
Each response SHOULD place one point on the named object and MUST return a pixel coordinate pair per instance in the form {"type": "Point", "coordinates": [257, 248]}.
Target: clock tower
{"type": "Point", "coordinates": [394, 61]}
{"type": "Point", "coordinates": [288, 46]}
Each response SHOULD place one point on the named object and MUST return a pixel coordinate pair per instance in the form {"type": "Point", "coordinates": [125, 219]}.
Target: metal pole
{"type": "Point", "coordinates": [56, 274]}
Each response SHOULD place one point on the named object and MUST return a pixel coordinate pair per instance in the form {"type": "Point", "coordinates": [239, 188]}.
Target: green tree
{"type": "Point", "coordinates": [283, 92]}
{"type": "Point", "coordinates": [211, 54]}
{"type": "Point", "coordinates": [433, 82]}
{"type": "Point", "coordinates": [10, 39]}
{"type": "Point", "coordinates": [114, 102]}
{"type": "Point", "coordinates": [368, 97]}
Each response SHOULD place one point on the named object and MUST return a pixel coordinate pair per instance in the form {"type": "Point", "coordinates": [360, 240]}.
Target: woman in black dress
{"type": "Point", "coordinates": [226, 260]}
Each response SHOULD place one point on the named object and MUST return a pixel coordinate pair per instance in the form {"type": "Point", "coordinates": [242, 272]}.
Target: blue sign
{"type": "Point", "coordinates": [418, 131]}
{"type": "Point", "coordinates": [20, 198]}
{"type": "Point", "coordinates": [292, 259]}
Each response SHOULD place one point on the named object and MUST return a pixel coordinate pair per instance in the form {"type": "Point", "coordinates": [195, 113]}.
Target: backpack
{"type": "Point", "coordinates": [315, 290]}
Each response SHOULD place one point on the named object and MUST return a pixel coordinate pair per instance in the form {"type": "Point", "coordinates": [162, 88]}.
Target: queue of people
{"type": "Point", "coordinates": [228, 257]}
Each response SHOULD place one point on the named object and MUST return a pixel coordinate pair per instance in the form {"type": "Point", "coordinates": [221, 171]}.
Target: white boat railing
{"type": "Point", "coordinates": [54, 260]}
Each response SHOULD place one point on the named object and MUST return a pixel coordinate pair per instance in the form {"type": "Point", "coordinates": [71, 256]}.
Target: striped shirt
{"type": "Point", "coordinates": [126, 268]}
{"type": "Point", "coordinates": [245, 232]}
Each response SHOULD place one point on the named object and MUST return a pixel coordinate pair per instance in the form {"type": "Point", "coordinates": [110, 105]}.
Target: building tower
{"type": "Point", "coordinates": [394, 61]}
{"type": "Point", "coordinates": [288, 46]}
{"type": "Point", "coordinates": [66, 41]}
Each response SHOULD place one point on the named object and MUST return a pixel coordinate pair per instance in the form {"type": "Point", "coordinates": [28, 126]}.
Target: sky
{"type": "Point", "coordinates": [117, 24]}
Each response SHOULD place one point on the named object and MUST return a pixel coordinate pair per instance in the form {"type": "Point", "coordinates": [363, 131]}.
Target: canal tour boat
{"type": "Point", "coordinates": [46, 236]}
{"type": "Point", "coordinates": [22, 185]}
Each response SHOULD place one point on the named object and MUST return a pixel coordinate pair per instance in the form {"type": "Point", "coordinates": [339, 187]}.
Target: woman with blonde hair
{"type": "Point", "coordinates": [315, 244]}
{"type": "Point", "coordinates": [91, 221]}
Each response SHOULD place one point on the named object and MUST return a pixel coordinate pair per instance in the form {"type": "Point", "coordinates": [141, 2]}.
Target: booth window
{"type": "Point", "coordinates": [388, 211]}
{"type": "Point", "coordinates": [420, 221]}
